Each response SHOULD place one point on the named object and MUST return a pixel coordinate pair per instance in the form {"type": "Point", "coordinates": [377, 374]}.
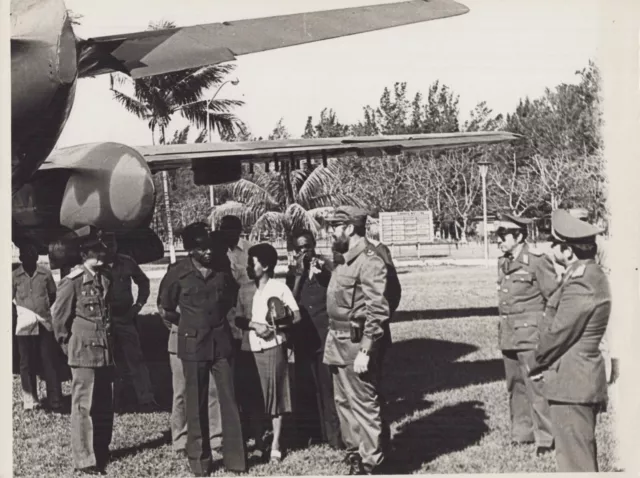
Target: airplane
{"type": "Point", "coordinates": [109, 185]}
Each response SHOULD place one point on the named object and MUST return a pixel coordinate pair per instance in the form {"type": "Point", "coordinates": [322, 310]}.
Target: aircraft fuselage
{"type": "Point", "coordinates": [43, 79]}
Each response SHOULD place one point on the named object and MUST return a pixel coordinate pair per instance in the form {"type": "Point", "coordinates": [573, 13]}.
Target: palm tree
{"type": "Point", "coordinates": [157, 99]}
{"type": "Point", "coordinates": [278, 203]}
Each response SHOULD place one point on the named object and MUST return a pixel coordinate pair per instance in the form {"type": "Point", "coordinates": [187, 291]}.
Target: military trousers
{"type": "Point", "coordinates": [574, 427]}
{"type": "Point", "coordinates": [130, 364]}
{"type": "Point", "coordinates": [179, 410]}
{"type": "Point", "coordinates": [197, 376]}
{"type": "Point", "coordinates": [38, 352]}
{"type": "Point", "coordinates": [91, 415]}
{"type": "Point", "coordinates": [358, 404]}
{"type": "Point", "coordinates": [529, 409]}
{"type": "Point", "coordinates": [315, 407]}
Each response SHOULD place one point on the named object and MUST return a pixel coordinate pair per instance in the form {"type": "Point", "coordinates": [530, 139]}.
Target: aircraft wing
{"type": "Point", "coordinates": [167, 157]}
{"type": "Point", "coordinates": [157, 52]}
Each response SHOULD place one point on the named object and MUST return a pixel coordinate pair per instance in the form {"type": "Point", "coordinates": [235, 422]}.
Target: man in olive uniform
{"type": "Point", "coordinates": [568, 356]}
{"type": "Point", "coordinates": [526, 280]}
{"type": "Point", "coordinates": [129, 359]}
{"type": "Point", "coordinates": [358, 312]}
{"type": "Point", "coordinates": [202, 287]}
{"type": "Point", "coordinates": [82, 326]}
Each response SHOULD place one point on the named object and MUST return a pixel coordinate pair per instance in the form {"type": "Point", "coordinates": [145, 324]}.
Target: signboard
{"type": "Point", "coordinates": [409, 227]}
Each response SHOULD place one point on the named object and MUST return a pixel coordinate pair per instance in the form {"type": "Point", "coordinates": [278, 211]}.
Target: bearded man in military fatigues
{"type": "Point", "coordinates": [567, 361]}
{"type": "Point", "coordinates": [358, 312]}
{"type": "Point", "coordinates": [82, 326]}
{"type": "Point", "coordinates": [526, 280]}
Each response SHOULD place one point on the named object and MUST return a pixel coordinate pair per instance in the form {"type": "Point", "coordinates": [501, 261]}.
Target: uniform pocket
{"type": "Point", "coordinates": [525, 331]}
{"type": "Point", "coordinates": [345, 291]}
{"type": "Point", "coordinates": [188, 342]}
{"type": "Point", "coordinates": [88, 351]}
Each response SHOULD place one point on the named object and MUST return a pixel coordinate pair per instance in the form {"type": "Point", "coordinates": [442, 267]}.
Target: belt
{"type": "Point", "coordinates": [339, 325]}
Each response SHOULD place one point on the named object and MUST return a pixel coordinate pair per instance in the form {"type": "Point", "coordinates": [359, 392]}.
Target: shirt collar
{"type": "Point", "coordinates": [356, 250]}
{"type": "Point", "coordinates": [20, 270]}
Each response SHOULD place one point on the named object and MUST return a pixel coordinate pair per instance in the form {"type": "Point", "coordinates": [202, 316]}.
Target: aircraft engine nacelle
{"type": "Point", "coordinates": [107, 185]}
{"type": "Point", "coordinates": [110, 187]}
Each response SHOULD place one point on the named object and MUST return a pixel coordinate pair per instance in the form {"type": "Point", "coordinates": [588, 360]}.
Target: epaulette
{"type": "Point", "coordinates": [370, 252]}
{"type": "Point", "coordinates": [373, 242]}
{"type": "Point", "coordinates": [76, 272]}
{"type": "Point", "coordinates": [579, 271]}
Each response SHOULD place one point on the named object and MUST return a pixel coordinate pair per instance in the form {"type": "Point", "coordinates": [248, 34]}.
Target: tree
{"type": "Point", "coordinates": [328, 126]}
{"type": "Point", "coordinates": [262, 202]}
{"type": "Point", "coordinates": [158, 98]}
{"type": "Point", "coordinates": [280, 131]}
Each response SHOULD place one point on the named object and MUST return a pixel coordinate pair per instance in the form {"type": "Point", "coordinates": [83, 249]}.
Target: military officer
{"type": "Point", "coordinates": [82, 326]}
{"type": "Point", "coordinates": [358, 312]}
{"type": "Point", "coordinates": [567, 360]}
{"type": "Point", "coordinates": [526, 280]}
{"type": "Point", "coordinates": [202, 287]}
{"type": "Point", "coordinates": [610, 360]}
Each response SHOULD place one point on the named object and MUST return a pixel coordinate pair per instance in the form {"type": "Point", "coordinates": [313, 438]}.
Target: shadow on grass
{"type": "Point", "coordinates": [458, 313]}
{"type": "Point", "coordinates": [449, 429]}
{"type": "Point", "coordinates": [417, 367]}
{"type": "Point", "coordinates": [165, 439]}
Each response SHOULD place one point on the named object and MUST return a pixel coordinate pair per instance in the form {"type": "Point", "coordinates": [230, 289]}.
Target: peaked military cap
{"type": "Point", "coordinates": [511, 221]}
{"type": "Point", "coordinates": [90, 238]}
{"type": "Point", "coordinates": [569, 229]}
{"type": "Point", "coordinates": [579, 213]}
{"type": "Point", "coordinates": [348, 215]}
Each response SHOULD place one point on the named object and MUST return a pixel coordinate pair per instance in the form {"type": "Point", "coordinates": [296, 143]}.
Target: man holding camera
{"type": "Point", "coordinates": [357, 310]}
{"type": "Point", "coordinates": [315, 408]}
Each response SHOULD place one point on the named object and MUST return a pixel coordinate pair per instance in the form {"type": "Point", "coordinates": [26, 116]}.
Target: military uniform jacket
{"type": "Point", "coordinates": [203, 330]}
{"type": "Point", "coordinates": [568, 351]}
{"type": "Point", "coordinates": [123, 271]}
{"type": "Point", "coordinates": [81, 319]}
{"type": "Point", "coordinates": [525, 283]}
{"type": "Point", "coordinates": [356, 292]}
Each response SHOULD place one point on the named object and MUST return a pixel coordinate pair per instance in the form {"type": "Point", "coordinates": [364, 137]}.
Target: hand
{"type": "Point", "coordinates": [133, 311]}
{"type": "Point", "coordinates": [361, 363]}
{"type": "Point", "coordinates": [262, 330]}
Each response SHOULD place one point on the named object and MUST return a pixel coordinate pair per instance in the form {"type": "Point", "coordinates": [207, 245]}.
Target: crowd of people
{"type": "Point", "coordinates": [233, 327]}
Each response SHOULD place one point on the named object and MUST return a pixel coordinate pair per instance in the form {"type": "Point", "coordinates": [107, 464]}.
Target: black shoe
{"type": "Point", "coordinates": [92, 470]}
{"type": "Point", "coordinates": [543, 450]}
{"type": "Point", "coordinates": [355, 465]}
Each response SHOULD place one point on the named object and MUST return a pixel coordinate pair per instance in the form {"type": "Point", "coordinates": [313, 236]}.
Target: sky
{"type": "Point", "coordinates": [499, 52]}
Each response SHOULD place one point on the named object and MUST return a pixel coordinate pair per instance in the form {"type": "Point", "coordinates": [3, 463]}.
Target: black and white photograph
{"type": "Point", "coordinates": [339, 237]}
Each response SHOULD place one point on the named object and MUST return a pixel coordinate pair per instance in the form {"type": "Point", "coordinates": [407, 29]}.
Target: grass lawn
{"type": "Point", "coordinates": [444, 382]}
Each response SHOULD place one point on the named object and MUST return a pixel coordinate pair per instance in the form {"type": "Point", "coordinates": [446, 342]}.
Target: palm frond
{"type": "Point", "coordinates": [299, 218]}
{"type": "Point", "coordinates": [250, 193]}
{"type": "Point", "coordinates": [317, 183]}
{"type": "Point", "coordinates": [270, 221]}
{"type": "Point", "coordinates": [247, 214]}
{"type": "Point", "coordinates": [132, 105]}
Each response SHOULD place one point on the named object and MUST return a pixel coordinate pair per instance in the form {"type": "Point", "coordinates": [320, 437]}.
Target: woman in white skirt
{"type": "Point", "coordinates": [268, 344]}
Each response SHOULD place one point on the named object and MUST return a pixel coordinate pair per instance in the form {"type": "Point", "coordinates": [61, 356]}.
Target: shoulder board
{"type": "Point", "coordinates": [370, 252]}
{"type": "Point", "coordinates": [373, 242]}
{"type": "Point", "coordinates": [525, 259]}
{"type": "Point", "coordinates": [579, 271]}
{"type": "Point", "coordinates": [77, 272]}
